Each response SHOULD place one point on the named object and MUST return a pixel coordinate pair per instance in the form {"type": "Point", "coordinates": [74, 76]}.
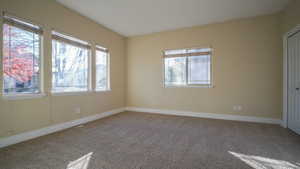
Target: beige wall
{"type": "Point", "coordinates": [24, 115]}
{"type": "Point", "coordinates": [291, 16]}
{"type": "Point", "coordinates": [247, 64]}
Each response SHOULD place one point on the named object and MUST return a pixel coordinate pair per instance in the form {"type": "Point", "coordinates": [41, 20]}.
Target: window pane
{"type": "Point", "coordinates": [101, 70]}
{"type": "Point", "coordinates": [199, 69]}
{"type": "Point", "coordinates": [175, 71]}
{"type": "Point", "coordinates": [69, 68]}
{"type": "Point", "coordinates": [21, 57]}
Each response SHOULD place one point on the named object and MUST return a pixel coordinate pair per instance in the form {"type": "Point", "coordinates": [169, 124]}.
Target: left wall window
{"type": "Point", "coordinates": [70, 64]}
{"type": "Point", "coordinates": [21, 57]}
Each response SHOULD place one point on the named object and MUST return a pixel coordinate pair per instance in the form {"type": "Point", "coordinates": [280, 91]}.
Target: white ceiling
{"type": "Point", "coordinates": [136, 17]}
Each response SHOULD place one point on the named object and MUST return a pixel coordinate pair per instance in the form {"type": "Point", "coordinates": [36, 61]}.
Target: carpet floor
{"type": "Point", "coordinates": [148, 141]}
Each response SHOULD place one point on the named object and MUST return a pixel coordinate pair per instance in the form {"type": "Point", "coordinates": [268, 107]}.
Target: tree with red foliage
{"type": "Point", "coordinates": [18, 56]}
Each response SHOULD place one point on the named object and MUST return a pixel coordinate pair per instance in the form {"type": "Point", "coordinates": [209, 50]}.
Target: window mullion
{"type": "Point", "coordinates": [107, 71]}
{"type": "Point", "coordinates": [33, 52]}
{"type": "Point", "coordinates": [186, 70]}
{"type": "Point", "coordinates": [90, 70]}
{"type": "Point", "coordinates": [9, 49]}
{"type": "Point", "coordinates": [41, 66]}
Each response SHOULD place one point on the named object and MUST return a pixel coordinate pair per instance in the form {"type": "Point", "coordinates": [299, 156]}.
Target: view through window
{"type": "Point", "coordinates": [21, 57]}
{"type": "Point", "coordinates": [188, 67]}
{"type": "Point", "coordinates": [70, 67]}
{"type": "Point", "coordinates": [102, 69]}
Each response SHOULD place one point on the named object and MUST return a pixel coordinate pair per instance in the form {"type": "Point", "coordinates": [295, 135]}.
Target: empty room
{"type": "Point", "coordinates": [150, 84]}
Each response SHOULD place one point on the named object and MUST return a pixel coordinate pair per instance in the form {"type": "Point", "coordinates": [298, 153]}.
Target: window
{"type": "Point", "coordinates": [187, 67]}
{"type": "Point", "coordinates": [21, 57]}
{"type": "Point", "coordinates": [70, 64]}
{"type": "Point", "coordinates": [102, 69]}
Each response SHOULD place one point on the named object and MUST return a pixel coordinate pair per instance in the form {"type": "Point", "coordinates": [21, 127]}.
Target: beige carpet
{"type": "Point", "coordinates": [147, 141]}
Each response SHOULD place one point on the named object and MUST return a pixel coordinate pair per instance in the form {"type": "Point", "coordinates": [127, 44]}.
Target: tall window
{"type": "Point", "coordinates": [102, 69]}
{"type": "Point", "coordinates": [70, 64]}
{"type": "Point", "coordinates": [21, 57]}
{"type": "Point", "coordinates": [187, 67]}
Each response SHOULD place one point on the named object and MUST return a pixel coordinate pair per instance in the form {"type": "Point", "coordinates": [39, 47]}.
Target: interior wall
{"type": "Point", "coordinates": [247, 64]}
{"type": "Point", "coordinates": [17, 116]}
{"type": "Point", "coordinates": [247, 68]}
{"type": "Point", "coordinates": [291, 16]}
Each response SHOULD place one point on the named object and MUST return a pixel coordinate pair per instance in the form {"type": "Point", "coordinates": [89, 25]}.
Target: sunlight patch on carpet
{"type": "Point", "coordinates": [81, 163]}
{"type": "Point", "coordinates": [258, 162]}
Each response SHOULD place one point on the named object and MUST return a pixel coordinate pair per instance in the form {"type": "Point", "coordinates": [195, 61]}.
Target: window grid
{"type": "Point", "coordinates": [18, 78]}
{"type": "Point", "coordinates": [184, 53]}
{"type": "Point", "coordinates": [70, 68]}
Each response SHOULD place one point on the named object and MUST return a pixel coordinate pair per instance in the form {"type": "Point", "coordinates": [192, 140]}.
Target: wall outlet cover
{"type": "Point", "coordinates": [77, 110]}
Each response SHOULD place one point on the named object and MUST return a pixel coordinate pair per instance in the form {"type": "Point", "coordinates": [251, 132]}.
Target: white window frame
{"type": "Point", "coordinates": [188, 85]}
{"type": "Point", "coordinates": [72, 39]}
{"type": "Point", "coordinates": [108, 87]}
{"type": "Point", "coordinates": [26, 24]}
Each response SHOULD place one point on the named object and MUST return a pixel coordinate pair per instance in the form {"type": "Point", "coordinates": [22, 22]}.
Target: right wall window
{"type": "Point", "coordinates": [102, 69]}
{"type": "Point", "coordinates": [188, 67]}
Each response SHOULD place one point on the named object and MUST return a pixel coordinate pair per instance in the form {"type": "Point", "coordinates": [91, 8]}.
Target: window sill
{"type": "Point", "coordinates": [189, 86]}
{"type": "Point", "coordinates": [102, 91]}
{"type": "Point", "coordinates": [70, 93]}
{"type": "Point", "coordinates": [23, 96]}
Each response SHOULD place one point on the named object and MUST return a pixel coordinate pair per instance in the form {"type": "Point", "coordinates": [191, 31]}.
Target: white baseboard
{"type": "Point", "coordinates": [58, 127]}
{"type": "Point", "coordinates": [54, 128]}
{"type": "Point", "coordinates": [207, 115]}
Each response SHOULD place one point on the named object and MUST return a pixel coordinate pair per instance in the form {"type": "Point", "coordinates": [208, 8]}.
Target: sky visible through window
{"type": "Point", "coordinates": [101, 70]}
{"type": "Point", "coordinates": [69, 67]}
{"type": "Point", "coordinates": [175, 71]}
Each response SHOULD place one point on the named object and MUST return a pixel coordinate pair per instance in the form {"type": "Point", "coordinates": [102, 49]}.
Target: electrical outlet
{"type": "Point", "coordinates": [10, 132]}
{"type": "Point", "coordinates": [77, 110]}
{"type": "Point", "coordinates": [237, 108]}
{"type": "Point", "coordinates": [240, 108]}
{"type": "Point", "coordinates": [234, 108]}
